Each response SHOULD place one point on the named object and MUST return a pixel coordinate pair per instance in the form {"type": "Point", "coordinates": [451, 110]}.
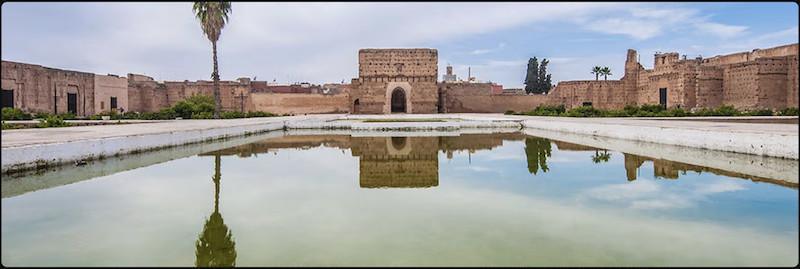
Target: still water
{"type": "Point", "coordinates": [470, 199]}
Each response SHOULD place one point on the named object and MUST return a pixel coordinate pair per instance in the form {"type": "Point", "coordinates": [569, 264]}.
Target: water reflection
{"type": "Point", "coordinates": [412, 162]}
{"type": "Point", "coordinates": [537, 150]}
{"type": "Point", "coordinates": [215, 246]}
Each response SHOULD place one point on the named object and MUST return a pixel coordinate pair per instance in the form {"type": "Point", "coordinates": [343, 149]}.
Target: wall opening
{"type": "Point", "coordinates": [587, 104]}
{"type": "Point", "coordinates": [72, 103]}
{"type": "Point", "coordinates": [398, 101]}
{"type": "Point", "coordinates": [356, 106]}
{"type": "Point", "coordinates": [113, 103]}
{"type": "Point", "coordinates": [8, 98]}
{"type": "Point", "coordinates": [662, 97]}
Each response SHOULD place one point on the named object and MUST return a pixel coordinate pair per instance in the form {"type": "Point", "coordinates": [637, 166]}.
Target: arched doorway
{"type": "Point", "coordinates": [356, 106]}
{"type": "Point", "coordinates": [398, 101]}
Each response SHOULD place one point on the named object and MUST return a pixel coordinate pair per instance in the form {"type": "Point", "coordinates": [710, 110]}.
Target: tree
{"type": "Point", "coordinates": [596, 71]}
{"type": "Point", "coordinates": [605, 72]}
{"type": "Point", "coordinates": [543, 85]}
{"type": "Point", "coordinates": [213, 16]}
{"type": "Point", "coordinates": [532, 77]}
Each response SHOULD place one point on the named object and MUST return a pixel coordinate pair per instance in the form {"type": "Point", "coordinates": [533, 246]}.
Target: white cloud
{"type": "Point", "coordinates": [721, 30]}
{"type": "Point", "coordinates": [646, 23]}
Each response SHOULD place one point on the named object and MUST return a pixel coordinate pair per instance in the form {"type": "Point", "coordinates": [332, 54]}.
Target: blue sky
{"type": "Point", "coordinates": [319, 42]}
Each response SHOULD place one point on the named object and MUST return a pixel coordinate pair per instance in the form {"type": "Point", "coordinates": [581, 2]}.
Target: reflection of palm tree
{"type": "Point", "coordinates": [601, 157]}
{"type": "Point", "coordinates": [537, 150]}
{"type": "Point", "coordinates": [215, 246]}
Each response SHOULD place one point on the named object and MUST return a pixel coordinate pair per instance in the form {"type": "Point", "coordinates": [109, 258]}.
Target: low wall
{"type": "Point", "coordinates": [300, 103]}
{"type": "Point", "coordinates": [494, 103]}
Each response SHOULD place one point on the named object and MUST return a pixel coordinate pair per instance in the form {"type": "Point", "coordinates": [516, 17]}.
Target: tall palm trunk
{"type": "Point", "coordinates": [596, 76]}
{"type": "Point", "coordinates": [215, 76]}
{"type": "Point", "coordinates": [605, 77]}
{"type": "Point", "coordinates": [216, 179]}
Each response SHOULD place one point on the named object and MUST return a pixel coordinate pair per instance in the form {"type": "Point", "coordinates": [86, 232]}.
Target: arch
{"type": "Point", "coordinates": [356, 106]}
{"type": "Point", "coordinates": [398, 101]}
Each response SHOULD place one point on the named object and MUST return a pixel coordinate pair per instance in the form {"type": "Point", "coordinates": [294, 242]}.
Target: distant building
{"type": "Point", "coordinates": [449, 76]}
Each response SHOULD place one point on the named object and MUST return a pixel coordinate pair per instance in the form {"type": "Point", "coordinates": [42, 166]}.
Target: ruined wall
{"type": "Point", "coordinates": [709, 87]}
{"type": "Point", "coordinates": [480, 98]}
{"type": "Point", "coordinates": [107, 86]}
{"type": "Point", "coordinates": [298, 103]}
{"type": "Point", "coordinates": [739, 85]}
{"type": "Point", "coordinates": [792, 81]}
{"type": "Point", "coordinates": [603, 94]}
{"type": "Point", "coordinates": [42, 89]}
{"type": "Point", "coordinates": [772, 82]}
{"type": "Point", "coordinates": [145, 94]}
{"type": "Point", "coordinates": [383, 71]}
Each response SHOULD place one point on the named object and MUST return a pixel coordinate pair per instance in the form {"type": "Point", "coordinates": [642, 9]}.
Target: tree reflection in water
{"type": "Point", "coordinates": [601, 157]}
{"type": "Point", "coordinates": [215, 247]}
{"type": "Point", "coordinates": [537, 150]}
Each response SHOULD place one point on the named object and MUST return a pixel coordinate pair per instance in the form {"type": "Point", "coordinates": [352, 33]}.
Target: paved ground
{"type": "Point", "coordinates": [59, 145]}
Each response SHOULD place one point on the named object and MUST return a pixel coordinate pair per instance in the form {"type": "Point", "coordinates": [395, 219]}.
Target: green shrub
{"type": "Point", "coordinates": [651, 108]}
{"type": "Point", "coordinates": [258, 114]}
{"type": "Point", "coordinates": [232, 115]}
{"type": "Point", "coordinates": [726, 111]}
{"type": "Point", "coordinates": [67, 116]}
{"type": "Point", "coordinates": [509, 112]}
{"type": "Point", "coordinates": [584, 111]}
{"type": "Point", "coordinates": [758, 112]}
{"type": "Point", "coordinates": [789, 111]}
{"type": "Point", "coordinates": [52, 121]}
{"type": "Point", "coordinates": [674, 112]}
{"type": "Point", "coordinates": [202, 115]}
{"type": "Point", "coordinates": [617, 113]}
{"type": "Point", "coordinates": [199, 105]}
{"type": "Point", "coordinates": [15, 114]}
{"type": "Point", "coordinates": [41, 115]}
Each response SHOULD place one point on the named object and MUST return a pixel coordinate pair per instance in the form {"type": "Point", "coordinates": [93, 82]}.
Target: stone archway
{"type": "Point", "coordinates": [398, 101]}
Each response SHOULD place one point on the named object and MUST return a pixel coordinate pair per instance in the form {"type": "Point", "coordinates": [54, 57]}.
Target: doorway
{"type": "Point", "coordinates": [398, 101]}
{"type": "Point", "coordinates": [72, 103]}
{"type": "Point", "coordinates": [8, 98]}
{"type": "Point", "coordinates": [662, 97]}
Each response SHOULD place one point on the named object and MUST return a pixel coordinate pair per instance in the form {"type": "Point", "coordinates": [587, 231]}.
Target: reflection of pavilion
{"type": "Point", "coordinates": [397, 161]}
{"type": "Point", "coordinates": [394, 162]}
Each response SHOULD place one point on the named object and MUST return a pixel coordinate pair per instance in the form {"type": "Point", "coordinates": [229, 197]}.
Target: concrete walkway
{"type": "Point", "coordinates": [27, 148]}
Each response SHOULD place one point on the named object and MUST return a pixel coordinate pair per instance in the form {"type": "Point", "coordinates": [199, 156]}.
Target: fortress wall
{"type": "Point", "coordinates": [300, 103]}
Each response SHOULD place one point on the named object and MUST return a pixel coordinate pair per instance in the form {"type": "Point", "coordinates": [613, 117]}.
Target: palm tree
{"type": "Point", "coordinates": [605, 72]}
{"type": "Point", "coordinates": [596, 72]}
{"type": "Point", "coordinates": [212, 17]}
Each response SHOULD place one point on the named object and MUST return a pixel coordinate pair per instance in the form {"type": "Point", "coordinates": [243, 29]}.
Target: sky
{"type": "Point", "coordinates": [319, 42]}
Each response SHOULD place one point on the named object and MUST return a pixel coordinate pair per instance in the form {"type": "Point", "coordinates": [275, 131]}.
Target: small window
{"type": "Point", "coordinates": [113, 102]}
{"type": "Point", "coordinates": [587, 103]}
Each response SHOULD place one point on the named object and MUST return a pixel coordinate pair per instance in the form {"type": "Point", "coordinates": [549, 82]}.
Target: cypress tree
{"type": "Point", "coordinates": [532, 76]}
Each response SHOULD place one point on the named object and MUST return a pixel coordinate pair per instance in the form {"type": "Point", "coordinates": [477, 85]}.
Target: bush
{"type": "Point", "coordinates": [199, 105]}
{"type": "Point", "coordinates": [41, 115]}
{"type": "Point", "coordinates": [52, 121]}
{"type": "Point", "coordinates": [726, 111]}
{"type": "Point", "coordinates": [232, 115]}
{"type": "Point", "coordinates": [584, 111]}
{"type": "Point", "coordinates": [202, 115]}
{"type": "Point", "coordinates": [67, 116]}
{"type": "Point", "coordinates": [15, 114]}
{"type": "Point", "coordinates": [758, 112]}
{"type": "Point", "coordinates": [789, 111]}
{"type": "Point", "coordinates": [259, 114]}
{"type": "Point", "coordinates": [509, 112]}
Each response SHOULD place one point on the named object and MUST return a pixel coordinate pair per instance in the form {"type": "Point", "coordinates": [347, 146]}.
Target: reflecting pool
{"type": "Point", "coordinates": [341, 199]}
